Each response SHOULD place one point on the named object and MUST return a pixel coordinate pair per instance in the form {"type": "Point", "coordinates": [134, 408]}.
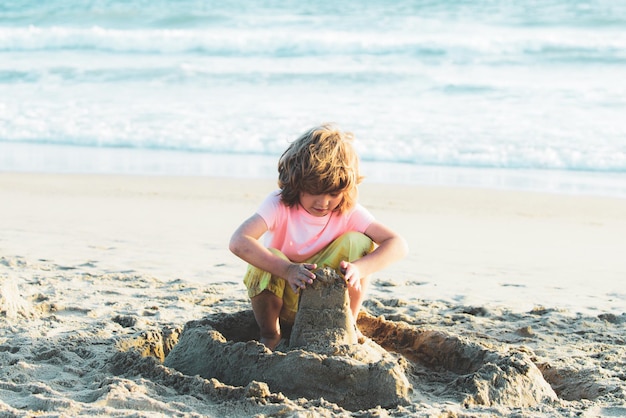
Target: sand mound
{"type": "Point", "coordinates": [330, 363]}
{"type": "Point", "coordinates": [151, 343]}
{"type": "Point", "coordinates": [324, 362]}
{"type": "Point", "coordinates": [474, 373]}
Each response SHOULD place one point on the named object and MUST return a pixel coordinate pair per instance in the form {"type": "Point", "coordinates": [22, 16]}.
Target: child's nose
{"type": "Point", "coordinates": [324, 200]}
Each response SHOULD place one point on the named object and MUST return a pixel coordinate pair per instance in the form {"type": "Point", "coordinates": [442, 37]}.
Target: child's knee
{"type": "Point", "coordinates": [356, 242]}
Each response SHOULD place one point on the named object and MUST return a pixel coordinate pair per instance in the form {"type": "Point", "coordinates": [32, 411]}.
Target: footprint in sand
{"type": "Point", "coordinates": [12, 304]}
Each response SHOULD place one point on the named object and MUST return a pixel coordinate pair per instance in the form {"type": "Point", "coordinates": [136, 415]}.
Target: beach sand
{"type": "Point", "coordinates": [99, 275]}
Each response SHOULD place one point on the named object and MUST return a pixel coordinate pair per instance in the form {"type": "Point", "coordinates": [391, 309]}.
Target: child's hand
{"type": "Point", "coordinates": [351, 273]}
{"type": "Point", "coordinates": [299, 275]}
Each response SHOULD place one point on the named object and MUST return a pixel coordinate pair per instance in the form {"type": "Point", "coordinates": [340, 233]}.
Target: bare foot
{"type": "Point", "coordinates": [271, 343]}
{"type": "Point", "coordinates": [359, 336]}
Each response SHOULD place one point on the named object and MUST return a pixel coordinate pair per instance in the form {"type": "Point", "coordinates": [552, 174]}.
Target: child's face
{"type": "Point", "coordinates": [320, 204]}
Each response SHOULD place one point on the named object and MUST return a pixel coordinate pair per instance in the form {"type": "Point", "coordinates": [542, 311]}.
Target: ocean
{"type": "Point", "coordinates": [499, 94]}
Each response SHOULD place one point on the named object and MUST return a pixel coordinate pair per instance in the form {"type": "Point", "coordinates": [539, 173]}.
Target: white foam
{"type": "Point", "coordinates": [73, 159]}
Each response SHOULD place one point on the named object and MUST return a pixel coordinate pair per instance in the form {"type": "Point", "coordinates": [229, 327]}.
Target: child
{"type": "Point", "coordinates": [312, 220]}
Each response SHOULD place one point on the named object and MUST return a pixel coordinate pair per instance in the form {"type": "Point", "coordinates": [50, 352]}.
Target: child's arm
{"type": "Point", "coordinates": [246, 245]}
{"type": "Point", "coordinates": [391, 247]}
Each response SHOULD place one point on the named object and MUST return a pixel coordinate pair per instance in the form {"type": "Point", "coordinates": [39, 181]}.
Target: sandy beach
{"type": "Point", "coordinates": [96, 271]}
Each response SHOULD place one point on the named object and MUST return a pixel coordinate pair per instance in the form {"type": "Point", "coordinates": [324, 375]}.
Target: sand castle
{"type": "Point", "coordinates": [323, 358]}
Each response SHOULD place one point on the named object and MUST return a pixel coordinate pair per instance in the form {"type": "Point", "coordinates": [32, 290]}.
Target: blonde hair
{"type": "Point", "coordinates": [322, 160]}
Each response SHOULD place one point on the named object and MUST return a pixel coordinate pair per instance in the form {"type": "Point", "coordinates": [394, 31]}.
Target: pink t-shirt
{"type": "Point", "coordinates": [300, 235]}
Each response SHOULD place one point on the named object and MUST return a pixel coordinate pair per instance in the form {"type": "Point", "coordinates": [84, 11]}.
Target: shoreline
{"type": "Point", "coordinates": [83, 160]}
{"type": "Point", "coordinates": [472, 246]}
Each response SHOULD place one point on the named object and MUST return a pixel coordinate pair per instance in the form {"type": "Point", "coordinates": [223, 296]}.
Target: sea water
{"type": "Point", "coordinates": [507, 94]}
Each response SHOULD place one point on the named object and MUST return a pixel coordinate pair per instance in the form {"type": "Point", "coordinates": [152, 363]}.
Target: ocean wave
{"type": "Point", "coordinates": [487, 45]}
{"type": "Point", "coordinates": [449, 83]}
{"type": "Point", "coordinates": [520, 156]}
{"type": "Point", "coordinates": [511, 157]}
{"type": "Point", "coordinates": [193, 13]}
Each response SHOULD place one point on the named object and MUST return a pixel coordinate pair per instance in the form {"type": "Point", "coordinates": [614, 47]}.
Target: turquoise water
{"type": "Point", "coordinates": [452, 92]}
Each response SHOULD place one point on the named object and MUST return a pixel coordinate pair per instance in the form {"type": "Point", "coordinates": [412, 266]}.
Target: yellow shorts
{"type": "Point", "coordinates": [349, 246]}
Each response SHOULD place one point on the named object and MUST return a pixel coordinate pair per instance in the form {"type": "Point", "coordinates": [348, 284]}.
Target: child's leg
{"type": "Point", "coordinates": [272, 300]}
{"type": "Point", "coordinates": [349, 247]}
{"type": "Point", "coordinates": [266, 307]}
